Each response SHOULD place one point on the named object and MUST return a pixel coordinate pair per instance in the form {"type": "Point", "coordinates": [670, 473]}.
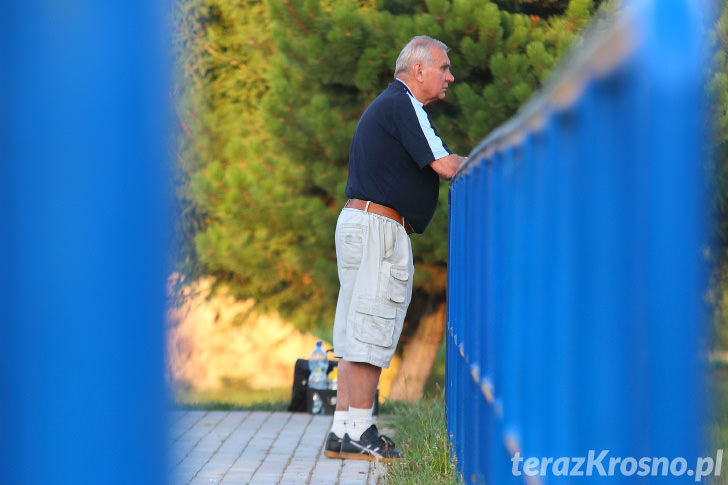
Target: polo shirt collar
{"type": "Point", "coordinates": [410, 92]}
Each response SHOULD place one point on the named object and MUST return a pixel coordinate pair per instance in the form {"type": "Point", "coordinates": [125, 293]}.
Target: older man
{"type": "Point", "coordinates": [396, 160]}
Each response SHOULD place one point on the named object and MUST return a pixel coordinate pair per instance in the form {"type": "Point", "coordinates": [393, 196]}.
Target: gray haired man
{"type": "Point", "coordinates": [396, 161]}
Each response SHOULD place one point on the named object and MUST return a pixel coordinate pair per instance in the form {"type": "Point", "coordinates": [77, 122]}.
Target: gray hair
{"type": "Point", "coordinates": [417, 50]}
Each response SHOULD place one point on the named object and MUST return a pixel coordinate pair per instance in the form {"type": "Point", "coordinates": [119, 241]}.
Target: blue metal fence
{"type": "Point", "coordinates": [83, 245]}
{"type": "Point", "coordinates": [575, 268]}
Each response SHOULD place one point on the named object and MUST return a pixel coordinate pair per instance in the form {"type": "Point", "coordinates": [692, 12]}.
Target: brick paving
{"type": "Point", "coordinates": [258, 447]}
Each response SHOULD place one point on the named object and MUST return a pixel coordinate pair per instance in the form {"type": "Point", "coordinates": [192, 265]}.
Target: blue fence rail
{"type": "Point", "coordinates": [575, 268]}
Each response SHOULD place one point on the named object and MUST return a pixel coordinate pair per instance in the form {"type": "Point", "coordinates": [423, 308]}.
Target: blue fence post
{"type": "Point", "coordinates": [83, 188]}
{"type": "Point", "coordinates": [675, 64]}
{"type": "Point", "coordinates": [449, 332]}
{"type": "Point", "coordinates": [559, 294]}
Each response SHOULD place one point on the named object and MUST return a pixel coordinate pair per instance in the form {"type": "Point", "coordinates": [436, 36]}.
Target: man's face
{"type": "Point", "coordinates": [437, 76]}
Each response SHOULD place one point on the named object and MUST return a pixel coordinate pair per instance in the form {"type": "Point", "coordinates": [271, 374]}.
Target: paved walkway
{"type": "Point", "coordinates": [257, 447]}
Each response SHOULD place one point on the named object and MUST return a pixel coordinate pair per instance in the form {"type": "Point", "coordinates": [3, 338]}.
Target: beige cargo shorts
{"type": "Point", "coordinates": [374, 258]}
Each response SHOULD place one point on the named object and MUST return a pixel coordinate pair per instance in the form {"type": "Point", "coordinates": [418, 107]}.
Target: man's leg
{"type": "Point", "coordinates": [342, 391]}
{"type": "Point", "coordinates": [369, 248]}
{"type": "Point", "coordinates": [362, 387]}
{"type": "Point", "coordinates": [362, 380]}
{"type": "Point", "coordinates": [362, 440]}
{"type": "Point", "coordinates": [357, 389]}
{"type": "Point", "coordinates": [341, 413]}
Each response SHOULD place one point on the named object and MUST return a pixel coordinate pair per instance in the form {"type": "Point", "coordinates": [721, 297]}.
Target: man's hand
{"type": "Point", "coordinates": [446, 167]}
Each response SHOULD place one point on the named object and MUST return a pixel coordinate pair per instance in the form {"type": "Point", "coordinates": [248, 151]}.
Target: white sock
{"type": "Point", "coordinates": [340, 420]}
{"type": "Point", "coordinates": [359, 421]}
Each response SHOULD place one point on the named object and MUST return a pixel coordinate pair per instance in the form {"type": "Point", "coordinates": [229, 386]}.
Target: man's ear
{"type": "Point", "coordinates": [417, 71]}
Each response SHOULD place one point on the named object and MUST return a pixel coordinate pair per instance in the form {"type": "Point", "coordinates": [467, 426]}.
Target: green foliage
{"type": "Point", "coordinates": [718, 416]}
{"type": "Point", "coordinates": [218, 83]}
{"type": "Point", "coordinates": [718, 298]}
{"type": "Point", "coordinates": [718, 92]}
{"type": "Point", "coordinates": [269, 95]}
{"type": "Point", "coordinates": [276, 400]}
{"type": "Point", "coordinates": [335, 58]}
{"type": "Point", "coordinates": [718, 173]}
{"type": "Point", "coordinates": [240, 195]}
{"type": "Point", "coordinates": [421, 433]}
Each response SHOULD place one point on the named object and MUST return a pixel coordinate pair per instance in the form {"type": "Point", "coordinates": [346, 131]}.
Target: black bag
{"type": "Point", "coordinates": [300, 384]}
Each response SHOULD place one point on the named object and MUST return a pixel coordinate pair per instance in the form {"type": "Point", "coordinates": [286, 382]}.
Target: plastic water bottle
{"type": "Point", "coordinates": [316, 404]}
{"type": "Point", "coordinates": [318, 365]}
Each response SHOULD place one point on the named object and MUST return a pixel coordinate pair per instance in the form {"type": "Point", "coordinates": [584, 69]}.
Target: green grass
{"type": "Point", "coordinates": [421, 434]}
{"type": "Point", "coordinates": [231, 397]}
{"type": "Point", "coordinates": [718, 427]}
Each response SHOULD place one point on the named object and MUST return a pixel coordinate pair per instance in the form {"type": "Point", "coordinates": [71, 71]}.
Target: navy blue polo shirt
{"type": "Point", "coordinates": [390, 155]}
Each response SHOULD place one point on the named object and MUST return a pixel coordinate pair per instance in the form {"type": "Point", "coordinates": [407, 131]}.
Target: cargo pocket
{"type": "Point", "coordinates": [374, 323]}
{"type": "Point", "coordinates": [397, 291]}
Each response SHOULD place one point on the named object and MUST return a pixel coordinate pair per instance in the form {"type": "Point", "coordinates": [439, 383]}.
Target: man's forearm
{"type": "Point", "coordinates": [446, 167]}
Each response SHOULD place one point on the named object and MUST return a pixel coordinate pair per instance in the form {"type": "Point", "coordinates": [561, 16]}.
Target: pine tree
{"type": "Point", "coordinates": [718, 175]}
{"type": "Point", "coordinates": [269, 93]}
{"type": "Point", "coordinates": [242, 216]}
{"type": "Point", "coordinates": [219, 48]}
{"type": "Point", "coordinates": [333, 58]}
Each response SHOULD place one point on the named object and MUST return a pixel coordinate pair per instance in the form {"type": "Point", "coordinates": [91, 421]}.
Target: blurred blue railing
{"type": "Point", "coordinates": [575, 270]}
{"type": "Point", "coordinates": [83, 242]}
